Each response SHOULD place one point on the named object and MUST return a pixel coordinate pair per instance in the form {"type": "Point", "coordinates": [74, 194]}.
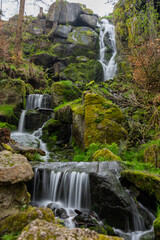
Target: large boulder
{"type": "Point", "coordinates": [41, 229]}
{"type": "Point", "coordinates": [102, 121]}
{"type": "Point", "coordinates": [63, 31]}
{"type": "Point", "coordinates": [84, 37]}
{"type": "Point", "coordinates": [16, 222]}
{"type": "Point", "coordinates": [64, 13]}
{"type": "Point", "coordinates": [88, 20]}
{"type": "Point", "coordinates": [44, 59]}
{"type": "Point", "coordinates": [14, 168]}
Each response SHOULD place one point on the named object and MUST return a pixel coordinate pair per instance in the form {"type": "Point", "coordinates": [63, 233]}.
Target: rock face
{"type": "Point", "coordinates": [88, 20]}
{"type": "Point", "coordinates": [64, 13]}
{"type": "Point", "coordinates": [109, 200]}
{"type": "Point", "coordinates": [14, 168]}
{"type": "Point", "coordinates": [63, 31]}
{"type": "Point", "coordinates": [44, 59]}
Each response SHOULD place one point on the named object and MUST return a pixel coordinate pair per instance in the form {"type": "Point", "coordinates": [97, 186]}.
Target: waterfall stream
{"type": "Point", "coordinates": [107, 49]}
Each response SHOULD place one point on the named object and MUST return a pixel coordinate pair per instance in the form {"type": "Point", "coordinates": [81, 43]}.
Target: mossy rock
{"type": "Point", "coordinates": [105, 155]}
{"type": "Point", "coordinates": [104, 229]}
{"type": "Point", "coordinates": [84, 71]}
{"type": "Point", "coordinates": [102, 120]}
{"type": "Point", "coordinates": [156, 225]}
{"type": "Point", "coordinates": [147, 182]}
{"type": "Point", "coordinates": [16, 223]}
{"type": "Point", "coordinates": [64, 91]}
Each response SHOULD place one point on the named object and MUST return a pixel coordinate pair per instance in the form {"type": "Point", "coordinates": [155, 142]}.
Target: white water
{"type": "Point", "coordinates": [68, 190]}
{"type": "Point", "coordinates": [109, 67]}
{"type": "Point", "coordinates": [33, 101]}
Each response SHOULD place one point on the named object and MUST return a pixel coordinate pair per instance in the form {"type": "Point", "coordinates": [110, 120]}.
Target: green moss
{"type": "Point", "coordinates": [15, 223]}
{"type": "Point", "coordinates": [7, 125]}
{"type": "Point", "coordinates": [84, 71]}
{"type": "Point", "coordinates": [101, 121]}
{"type": "Point", "coordinates": [156, 225]}
{"type": "Point", "coordinates": [105, 155]}
{"type": "Point", "coordinates": [63, 92]}
{"type": "Point", "coordinates": [144, 181]}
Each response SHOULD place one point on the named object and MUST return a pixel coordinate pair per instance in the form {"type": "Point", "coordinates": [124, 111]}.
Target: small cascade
{"type": "Point", "coordinates": [21, 121]}
{"type": "Point", "coordinates": [107, 49]}
{"type": "Point", "coordinates": [34, 101]}
{"type": "Point", "coordinates": [69, 189]}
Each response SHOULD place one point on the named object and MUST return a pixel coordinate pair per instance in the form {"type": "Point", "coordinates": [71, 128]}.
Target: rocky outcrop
{"type": "Point", "coordinates": [147, 183]}
{"type": "Point", "coordinates": [47, 230]}
{"type": "Point", "coordinates": [44, 59]}
{"type": "Point", "coordinates": [88, 20]}
{"type": "Point", "coordinates": [63, 31]}
{"type": "Point", "coordinates": [14, 168]}
{"type": "Point", "coordinates": [16, 222]}
{"type": "Point", "coordinates": [64, 13]}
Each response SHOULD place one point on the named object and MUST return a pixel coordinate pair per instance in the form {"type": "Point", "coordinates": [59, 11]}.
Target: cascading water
{"type": "Point", "coordinates": [107, 49]}
{"type": "Point", "coordinates": [33, 101]}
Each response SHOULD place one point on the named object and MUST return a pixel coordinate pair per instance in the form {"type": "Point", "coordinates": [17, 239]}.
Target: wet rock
{"type": "Point", "coordinates": [88, 20]}
{"type": "Point", "coordinates": [53, 206]}
{"type": "Point", "coordinates": [61, 212]}
{"type": "Point", "coordinates": [14, 168]}
{"type": "Point", "coordinates": [34, 119]}
{"type": "Point", "coordinates": [44, 59]}
{"type": "Point", "coordinates": [64, 13]}
{"type": "Point", "coordinates": [110, 200]}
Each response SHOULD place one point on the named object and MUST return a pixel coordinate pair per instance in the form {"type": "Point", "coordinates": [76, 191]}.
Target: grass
{"type": "Point", "coordinates": [6, 110]}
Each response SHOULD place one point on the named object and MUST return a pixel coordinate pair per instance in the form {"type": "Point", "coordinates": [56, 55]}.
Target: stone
{"type": "Point", "coordinates": [16, 223]}
{"type": "Point", "coordinates": [156, 225]}
{"type": "Point", "coordinates": [13, 198]}
{"type": "Point", "coordinates": [34, 119]}
{"type": "Point", "coordinates": [63, 31]}
{"type": "Point", "coordinates": [145, 182]}
{"type": "Point", "coordinates": [64, 13]}
{"type": "Point", "coordinates": [46, 230]}
{"type": "Point", "coordinates": [83, 36]}
{"type": "Point", "coordinates": [44, 59]}
{"type": "Point", "coordinates": [14, 168]}
{"type": "Point", "coordinates": [64, 114]}
{"type": "Point", "coordinates": [37, 27]}
{"type": "Point", "coordinates": [88, 20]}
{"type": "Point", "coordinates": [4, 135]}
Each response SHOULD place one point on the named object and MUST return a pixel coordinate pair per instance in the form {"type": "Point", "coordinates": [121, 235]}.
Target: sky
{"type": "Point", "coordinates": [101, 7]}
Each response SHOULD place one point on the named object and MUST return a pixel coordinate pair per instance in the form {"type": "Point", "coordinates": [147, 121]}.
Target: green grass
{"type": "Point", "coordinates": [7, 110]}
{"type": "Point", "coordinates": [7, 125]}
{"type": "Point", "coordinates": [9, 237]}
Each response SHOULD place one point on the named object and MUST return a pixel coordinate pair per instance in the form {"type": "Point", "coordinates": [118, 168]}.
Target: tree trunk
{"type": "Point", "coordinates": [18, 50]}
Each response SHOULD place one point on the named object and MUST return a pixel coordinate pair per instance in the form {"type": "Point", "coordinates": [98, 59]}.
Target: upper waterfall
{"type": "Point", "coordinates": [107, 49]}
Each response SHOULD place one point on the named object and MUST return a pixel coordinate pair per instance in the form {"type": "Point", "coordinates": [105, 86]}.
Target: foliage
{"type": "Point", "coordinates": [6, 110]}
{"type": "Point", "coordinates": [7, 125]}
{"type": "Point", "coordinates": [9, 237]}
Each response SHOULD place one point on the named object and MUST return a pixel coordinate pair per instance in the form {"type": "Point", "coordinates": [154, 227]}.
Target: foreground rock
{"type": "Point", "coordinates": [16, 223]}
{"type": "Point", "coordinates": [40, 229]}
{"type": "Point", "coordinates": [156, 226]}
{"type": "Point", "coordinates": [14, 168]}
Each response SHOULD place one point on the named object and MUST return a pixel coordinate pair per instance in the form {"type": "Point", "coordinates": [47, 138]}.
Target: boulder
{"type": "Point", "coordinates": [145, 182]}
{"type": "Point", "coordinates": [64, 114]}
{"type": "Point", "coordinates": [16, 223]}
{"type": "Point", "coordinates": [88, 20]}
{"type": "Point", "coordinates": [102, 121]}
{"type": "Point", "coordinates": [105, 155]}
{"type": "Point", "coordinates": [34, 119]}
{"type": "Point", "coordinates": [63, 31]}
{"type": "Point", "coordinates": [41, 229]}
{"type": "Point", "coordinates": [13, 198]}
{"type": "Point", "coordinates": [44, 59]}
{"type": "Point", "coordinates": [64, 13]}
{"type": "Point", "coordinates": [14, 168]}
{"type": "Point", "coordinates": [110, 200]}
{"type": "Point", "coordinates": [64, 91]}
{"type": "Point", "coordinates": [84, 37]}
{"type": "Point", "coordinates": [37, 27]}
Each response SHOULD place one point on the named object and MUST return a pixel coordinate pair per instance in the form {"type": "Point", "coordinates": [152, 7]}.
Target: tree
{"type": "Point", "coordinates": [18, 41]}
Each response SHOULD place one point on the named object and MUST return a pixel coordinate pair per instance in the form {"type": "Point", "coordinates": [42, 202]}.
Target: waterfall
{"type": "Point", "coordinates": [34, 101]}
{"type": "Point", "coordinates": [107, 49]}
{"type": "Point", "coordinates": [69, 189]}
{"type": "Point", "coordinates": [21, 121]}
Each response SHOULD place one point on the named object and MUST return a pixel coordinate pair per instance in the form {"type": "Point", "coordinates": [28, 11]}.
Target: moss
{"type": "Point", "coordinates": [103, 237]}
{"type": "Point", "coordinates": [7, 125]}
{"type": "Point", "coordinates": [105, 155]}
{"type": "Point", "coordinates": [84, 71]}
{"type": "Point", "coordinates": [156, 225]}
{"type": "Point", "coordinates": [101, 121]}
{"type": "Point", "coordinates": [149, 183]}
{"type": "Point", "coordinates": [62, 92]}
{"type": "Point", "coordinates": [15, 223]}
